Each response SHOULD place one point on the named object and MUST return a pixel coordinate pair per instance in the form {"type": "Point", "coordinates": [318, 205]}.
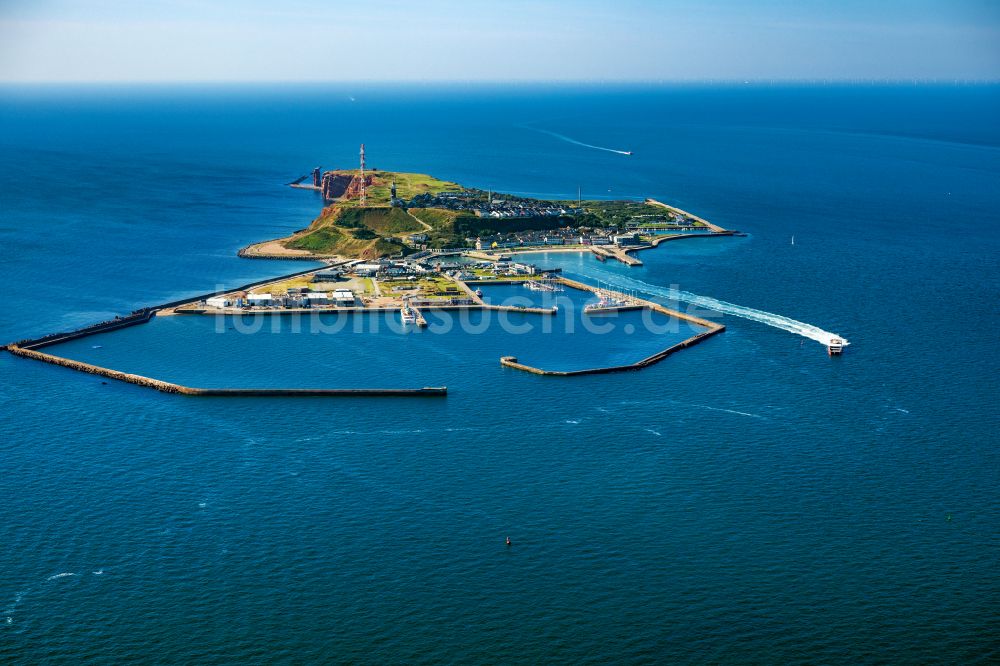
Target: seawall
{"type": "Point", "coordinates": [712, 328]}
{"type": "Point", "coordinates": [512, 362]}
{"type": "Point", "coordinates": [29, 349]}
{"type": "Point", "coordinates": [169, 387]}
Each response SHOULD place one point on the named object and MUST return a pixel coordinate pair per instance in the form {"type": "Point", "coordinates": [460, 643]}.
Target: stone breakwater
{"type": "Point", "coordinates": [169, 387]}
{"type": "Point", "coordinates": [137, 317]}
{"type": "Point", "coordinates": [29, 349]}
{"type": "Point", "coordinates": [712, 329]}
{"type": "Point", "coordinates": [139, 380]}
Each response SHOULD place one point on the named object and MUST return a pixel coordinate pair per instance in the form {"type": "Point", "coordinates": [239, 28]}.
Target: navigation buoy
{"type": "Point", "coordinates": [508, 541]}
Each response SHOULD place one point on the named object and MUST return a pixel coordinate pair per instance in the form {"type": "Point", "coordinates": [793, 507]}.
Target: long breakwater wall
{"type": "Point", "coordinates": [29, 349]}
{"type": "Point", "coordinates": [712, 328]}
{"type": "Point", "coordinates": [170, 387]}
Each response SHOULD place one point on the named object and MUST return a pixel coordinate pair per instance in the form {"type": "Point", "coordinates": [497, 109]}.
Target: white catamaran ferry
{"type": "Point", "coordinates": [835, 347]}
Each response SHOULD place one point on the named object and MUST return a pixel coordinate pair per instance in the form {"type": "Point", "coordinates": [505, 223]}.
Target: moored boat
{"type": "Point", "coordinates": [535, 285]}
{"type": "Point", "coordinates": [408, 314]}
{"type": "Point", "coordinates": [607, 301]}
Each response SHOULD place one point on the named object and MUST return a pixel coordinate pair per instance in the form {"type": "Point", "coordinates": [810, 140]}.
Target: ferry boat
{"type": "Point", "coordinates": [408, 315]}
{"type": "Point", "coordinates": [835, 347]}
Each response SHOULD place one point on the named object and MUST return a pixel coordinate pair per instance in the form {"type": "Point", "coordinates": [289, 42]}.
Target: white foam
{"type": "Point", "coordinates": [61, 575]}
{"type": "Point", "coordinates": [731, 411]}
{"type": "Point", "coordinates": [769, 318]}
{"type": "Point", "coordinates": [571, 421]}
{"type": "Point", "coordinates": [99, 572]}
{"type": "Point", "coordinates": [651, 431]}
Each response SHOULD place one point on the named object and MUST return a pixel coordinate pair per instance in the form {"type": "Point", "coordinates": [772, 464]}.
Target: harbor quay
{"type": "Point", "coordinates": [402, 280]}
{"type": "Point", "coordinates": [384, 294]}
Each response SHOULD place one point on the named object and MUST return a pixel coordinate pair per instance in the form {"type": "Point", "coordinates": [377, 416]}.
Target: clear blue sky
{"type": "Point", "coordinates": [439, 40]}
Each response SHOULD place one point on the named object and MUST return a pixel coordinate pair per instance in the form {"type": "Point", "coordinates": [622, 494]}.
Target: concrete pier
{"type": "Point", "coordinates": [178, 389]}
{"type": "Point", "coordinates": [712, 328]}
{"type": "Point", "coordinates": [621, 254]}
{"type": "Point", "coordinates": [29, 349]}
{"type": "Point", "coordinates": [512, 362]}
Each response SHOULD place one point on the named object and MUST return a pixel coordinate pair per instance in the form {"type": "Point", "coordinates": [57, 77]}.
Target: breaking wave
{"type": "Point", "coordinates": [60, 575]}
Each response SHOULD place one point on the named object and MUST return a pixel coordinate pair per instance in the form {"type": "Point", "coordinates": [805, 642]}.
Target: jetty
{"type": "Point", "coordinates": [179, 389]}
{"type": "Point", "coordinates": [29, 349]}
{"type": "Point", "coordinates": [711, 328]}
{"type": "Point", "coordinates": [621, 254]}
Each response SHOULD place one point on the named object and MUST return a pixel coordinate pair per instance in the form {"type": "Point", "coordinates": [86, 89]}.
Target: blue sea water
{"type": "Point", "coordinates": [747, 500]}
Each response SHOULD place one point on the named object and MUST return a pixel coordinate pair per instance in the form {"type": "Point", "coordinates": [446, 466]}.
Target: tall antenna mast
{"type": "Point", "coordinates": [363, 192]}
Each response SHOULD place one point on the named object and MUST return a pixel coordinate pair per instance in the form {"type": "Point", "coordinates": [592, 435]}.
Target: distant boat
{"type": "Point", "coordinates": [628, 152]}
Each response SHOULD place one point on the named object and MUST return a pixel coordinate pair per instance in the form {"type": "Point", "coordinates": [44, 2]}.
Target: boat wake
{"type": "Point", "coordinates": [567, 139]}
{"type": "Point", "coordinates": [61, 575]}
{"type": "Point", "coordinates": [777, 321]}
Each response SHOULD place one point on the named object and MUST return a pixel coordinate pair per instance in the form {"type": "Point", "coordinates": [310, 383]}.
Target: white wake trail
{"type": "Point", "coordinates": [777, 321]}
{"type": "Point", "coordinates": [579, 143]}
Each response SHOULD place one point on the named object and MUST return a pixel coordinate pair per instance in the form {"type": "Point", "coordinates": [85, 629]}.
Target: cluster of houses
{"type": "Point", "coordinates": [295, 297]}
{"type": "Point", "coordinates": [502, 267]}
{"type": "Point", "coordinates": [561, 237]}
{"type": "Point", "coordinates": [489, 206]}
{"type": "Point", "coordinates": [671, 221]}
{"type": "Point", "coordinates": [413, 267]}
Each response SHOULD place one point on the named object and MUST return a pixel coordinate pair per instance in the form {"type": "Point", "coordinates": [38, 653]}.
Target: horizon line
{"type": "Point", "coordinates": [662, 81]}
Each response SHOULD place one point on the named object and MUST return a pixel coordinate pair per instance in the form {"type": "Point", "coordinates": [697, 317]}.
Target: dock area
{"type": "Point", "coordinates": [29, 349]}
{"type": "Point", "coordinates": [621, 254]}
{"type": "Point", "coordinates": [712, 328]}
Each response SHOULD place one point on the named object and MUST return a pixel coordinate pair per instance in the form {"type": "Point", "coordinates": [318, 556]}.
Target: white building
{"type": "Point", "coordinates": [344, 297]}
{"type": "Point", "coordinates": [317, 298]}
{"type": "Point", "coordinates": [218, 302]}
{"type": "Point", "coordinates": [260, 299]}
{"type": "Point", "coordinates": [626, 239]}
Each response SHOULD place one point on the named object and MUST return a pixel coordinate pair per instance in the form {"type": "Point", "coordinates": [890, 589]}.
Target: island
{"type": "Point", "coordinates": [399, 242]}
{"type": "Point", "coordinates": [377, 214]}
